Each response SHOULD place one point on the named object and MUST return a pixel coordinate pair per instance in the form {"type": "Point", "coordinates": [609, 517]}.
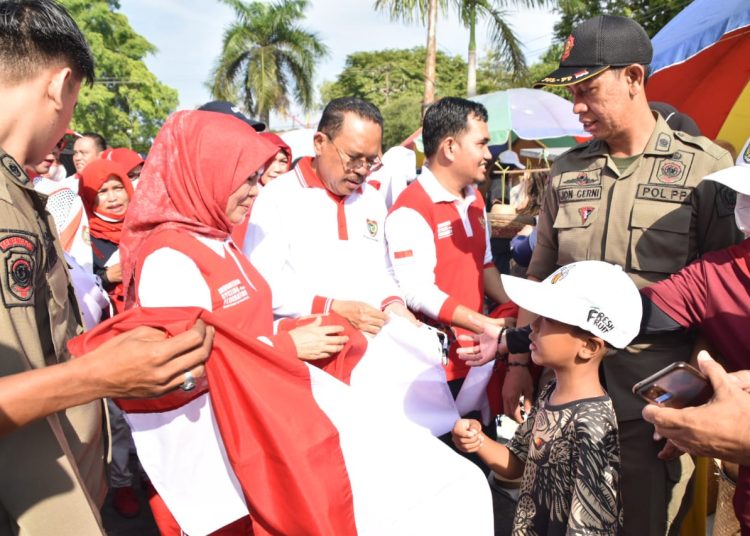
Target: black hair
{"type": "Point", "coordinates": [36, 33]}
{"type": "Point", "coordinates": [99, 140]}
{"type": "Point", "coordinates": [448, 117]}
{"type": "Point", "coordinates": [534, 188]}
{"type": "Point", "coordinates": [333, 114]}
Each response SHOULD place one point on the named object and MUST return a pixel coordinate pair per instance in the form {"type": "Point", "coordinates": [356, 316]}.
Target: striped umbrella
{"type": "Point", "coordinates": [701, 66]}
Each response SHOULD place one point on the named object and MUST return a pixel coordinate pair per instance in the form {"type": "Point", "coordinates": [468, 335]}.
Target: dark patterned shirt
{"type": "Point", "coordinates": [571, 480]}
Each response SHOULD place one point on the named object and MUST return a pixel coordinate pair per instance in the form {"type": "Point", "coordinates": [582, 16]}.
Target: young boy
{"type": "Point", "coordinates": [567, 449]}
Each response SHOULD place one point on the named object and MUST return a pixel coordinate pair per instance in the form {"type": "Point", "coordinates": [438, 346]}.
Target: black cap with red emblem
{"type": "Point", "coordinates": [598, 44]}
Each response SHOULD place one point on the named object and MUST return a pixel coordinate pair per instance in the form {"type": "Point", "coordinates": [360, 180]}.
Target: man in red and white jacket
{"type": "Point", "coordinates": [316, 233]}
{"type": "Point", "coordinates": [437, 232]}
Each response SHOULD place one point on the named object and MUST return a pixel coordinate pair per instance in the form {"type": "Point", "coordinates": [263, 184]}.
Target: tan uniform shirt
{"type": "Point", "coordinates": [652, 219]}
{"type": "Point", "coordinates": [51, 471]}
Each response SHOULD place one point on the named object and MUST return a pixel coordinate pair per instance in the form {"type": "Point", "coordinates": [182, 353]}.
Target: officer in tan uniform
{"type": "Point", "coordinates": [632, 196]}
{"type": "Point", "coordinates": [52, 469]}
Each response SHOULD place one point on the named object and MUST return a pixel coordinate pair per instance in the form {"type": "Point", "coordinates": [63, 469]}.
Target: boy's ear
{"type": "Point", "coordinates": [591, 348]}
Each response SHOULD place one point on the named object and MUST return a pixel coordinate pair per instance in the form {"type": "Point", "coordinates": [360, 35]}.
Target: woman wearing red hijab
{"type": "Point", "coordinates": [281, 162]}
{"type": "Point", "coordinates": [279, 165]}
{"type": "Point", "coordinates": [200, 180]}
{"type": "Point", "coordinates": [129, 159]}
{"type": "Point", "coordinates": [107, 192]}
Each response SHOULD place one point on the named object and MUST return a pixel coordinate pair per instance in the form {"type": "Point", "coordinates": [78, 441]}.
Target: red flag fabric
{"type": "Point", "coordinates": [341, 365]}
{"type": "Point", "coordinates": [283, 448]}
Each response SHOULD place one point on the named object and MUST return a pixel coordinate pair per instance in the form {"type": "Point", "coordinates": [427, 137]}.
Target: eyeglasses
{"type": "Point", "coordinates": [355, 165]}
{"type": "Point", "coordinates": [61, 144]}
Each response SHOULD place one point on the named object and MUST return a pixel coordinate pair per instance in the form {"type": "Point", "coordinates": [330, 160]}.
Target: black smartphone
{"type": "Point", "coordinates": [677, 386]}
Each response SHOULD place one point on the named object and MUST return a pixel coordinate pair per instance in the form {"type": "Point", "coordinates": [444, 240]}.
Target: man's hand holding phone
{"type": "Point", "coordinates": [719, 428]}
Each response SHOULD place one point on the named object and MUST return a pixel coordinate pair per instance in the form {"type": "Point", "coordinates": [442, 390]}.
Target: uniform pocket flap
{"type": "Point", "coordinates": [662, 216]}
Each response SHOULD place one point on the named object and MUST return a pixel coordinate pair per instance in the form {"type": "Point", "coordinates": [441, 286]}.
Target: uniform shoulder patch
{"type": "Point", "coordinates": [19, 262]}
{"type": "Point", "coordinates": [13, 169]}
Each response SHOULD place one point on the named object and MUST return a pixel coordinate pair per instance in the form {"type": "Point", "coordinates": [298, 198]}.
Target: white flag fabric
{"type": "Point", "coordinates": [402, 371]}
{"type": "Point", "coordinates": [404, 481]}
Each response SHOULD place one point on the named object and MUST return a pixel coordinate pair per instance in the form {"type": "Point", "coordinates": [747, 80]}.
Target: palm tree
{"type": "Point", "coordinates": [502, 36]}
{"type": "Point", "coordinates": [264, 53]}
{"type": "Point", "coordinates": [409, 10]}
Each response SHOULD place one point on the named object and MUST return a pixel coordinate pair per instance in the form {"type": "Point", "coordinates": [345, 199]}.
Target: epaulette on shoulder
{"type": "Point", "coordinates": [703, 143]}
{"type": "Point", "coordinates": [580, 147]}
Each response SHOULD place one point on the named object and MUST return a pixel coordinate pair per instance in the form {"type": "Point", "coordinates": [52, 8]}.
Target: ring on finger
{"type": "Point", "coordinates": [189, 383]}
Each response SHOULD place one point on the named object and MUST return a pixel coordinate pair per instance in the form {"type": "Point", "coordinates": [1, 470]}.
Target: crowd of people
{"type": "Point", "coordinates": [637, 261]}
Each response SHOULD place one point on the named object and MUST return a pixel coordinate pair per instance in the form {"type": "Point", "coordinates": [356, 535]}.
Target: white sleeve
{"type": "Point", "coordinates": [267, 246]}
{"type": "Point", "coordinates": [411, 247]}
{"type": "Point", "coordinates": [391, 293]}
{"type": "Point", "coordinates": [170, 278]}
{"type": "Point", "coordinates": [388, 289]}
{"type": "Point", "coordinates": [487, 248]}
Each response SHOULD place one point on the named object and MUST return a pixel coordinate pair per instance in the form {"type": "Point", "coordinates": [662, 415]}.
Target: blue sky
{"type": "Point", "coordinates": [188, 36]}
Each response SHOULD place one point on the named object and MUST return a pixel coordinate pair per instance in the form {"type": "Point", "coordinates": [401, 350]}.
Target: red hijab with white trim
{"type": "Point", "coordinates": [127, 157]}
{"type": "Point", "coordinates": [103, 224]}
{"type": "Point", "coordinates": [197, 161]}
{"type": "Point", "coordinates": [278, 142]}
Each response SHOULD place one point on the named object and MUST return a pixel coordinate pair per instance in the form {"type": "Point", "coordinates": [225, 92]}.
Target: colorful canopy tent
{"type": "Point", "coordinates": [528, 114]}
{"type": "Point", "coordinates": [532, 114]}
{"type": "Point", "coordinates": [701, 67]}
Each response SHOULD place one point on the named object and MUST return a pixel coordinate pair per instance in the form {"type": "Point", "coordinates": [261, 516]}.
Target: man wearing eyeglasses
{"type": "Point", "coordinates": [316, 233]}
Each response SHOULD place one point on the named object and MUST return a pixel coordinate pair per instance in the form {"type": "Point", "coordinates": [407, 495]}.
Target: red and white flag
{"type": "Point", "coordinates": [311, 457]}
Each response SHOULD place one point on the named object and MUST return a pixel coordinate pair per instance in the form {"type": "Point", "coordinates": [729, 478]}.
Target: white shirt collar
{"type": "Point", "coordinates": [438, 193]}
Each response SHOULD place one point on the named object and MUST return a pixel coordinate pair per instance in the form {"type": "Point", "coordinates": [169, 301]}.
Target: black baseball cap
{"type": "Point", "coordinates": [598, 44]}
{"type": "Point", "coordinates": [224, 107]}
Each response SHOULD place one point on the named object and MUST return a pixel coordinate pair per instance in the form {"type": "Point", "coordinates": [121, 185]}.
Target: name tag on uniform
{"type": "Point", "coordinates": [670, 194]}
{"type": "Point", "coordinates": [571, 195]}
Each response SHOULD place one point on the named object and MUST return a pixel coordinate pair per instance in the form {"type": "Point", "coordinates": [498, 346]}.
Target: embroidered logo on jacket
{"type": "Point", "coordinates": [585, 212]}
{"type": "Point", "coordinates": [372, 228]}
{"type": "Point", "coordinates": [19, 263]}
{"type": "Point", "coordinates": [582, 179]}
{"type": "Point", "coordinates": [670, 171]}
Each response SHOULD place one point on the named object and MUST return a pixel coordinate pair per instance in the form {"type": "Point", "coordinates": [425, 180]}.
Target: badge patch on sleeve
{"type": "Point", "coordinates": [19, 265]}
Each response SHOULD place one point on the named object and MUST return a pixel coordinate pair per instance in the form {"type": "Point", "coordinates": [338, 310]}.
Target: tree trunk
{"type": "Point", "coordinates": [429, 69]}
{"type": "Point", "coordinates": [471, 79]}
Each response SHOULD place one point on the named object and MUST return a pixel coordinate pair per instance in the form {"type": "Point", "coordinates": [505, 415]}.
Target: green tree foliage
{"type": "Point", "coordinates": [127, 104]}
{"type": "Point", "coordinates": [503, 40]}
{"type": "Point", "coordinates": [497, 75]}
{"type": "Point", "coordinates": [265, 53]}
{"type": "Point", "coordinates": [651, 14]}
{"type": "Point", "coordinates": [394, 82]}
{"type": "Point", "coordinates": [426, 11]}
